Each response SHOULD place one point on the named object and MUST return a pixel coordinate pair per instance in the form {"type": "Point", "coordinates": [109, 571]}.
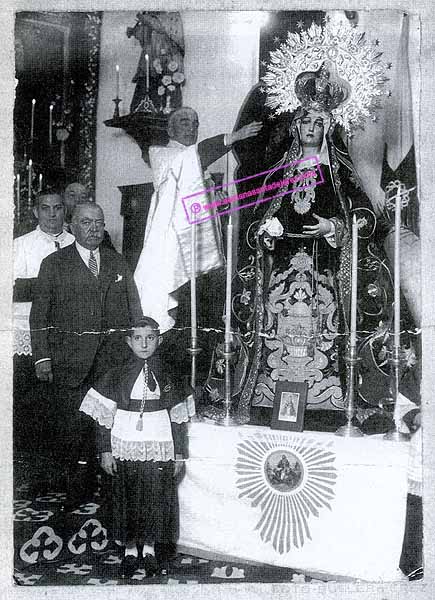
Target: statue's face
{"type": "Point", "coordinates": [184, 127]}
{"type": "Point", "coordinates": [312, 130]}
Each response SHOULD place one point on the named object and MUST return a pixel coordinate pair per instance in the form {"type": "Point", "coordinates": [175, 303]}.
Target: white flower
{"type": "Point", "coordinates": [166, 80]}
{"type": "Point", "coordinates": [178, 77]}
{"type": "Point", "coordinates": [173, 65]}
{"type": "Point", "coordinates": [171, 88]}
{"type": "Point", "coordinates": [160, 90]}
{"type": "Point", "coordinates": [273, 227]}
{"type": "Point", "coordinates": [157, 65]}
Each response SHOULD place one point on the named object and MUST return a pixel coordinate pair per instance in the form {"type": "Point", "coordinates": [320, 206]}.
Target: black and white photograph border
{"type": "Point", "coordinates": [300, 586]}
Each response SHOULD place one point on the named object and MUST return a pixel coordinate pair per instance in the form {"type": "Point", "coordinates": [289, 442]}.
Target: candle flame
{"type": "Point", "coordinates": [117, 68]}
{"type": "Point", "coordinates": [33, 101]}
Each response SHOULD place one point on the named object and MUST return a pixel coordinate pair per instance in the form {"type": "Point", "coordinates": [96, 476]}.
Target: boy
{"type": "Point", "coordinates": [142, 448]}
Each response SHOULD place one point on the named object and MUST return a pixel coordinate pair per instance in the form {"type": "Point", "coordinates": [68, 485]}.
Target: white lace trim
{"type": "Point", "coordinates": [100, 408]}
{"type": "Point", "coordinates": [183, 411]}
{"type": "Point", "coordinates": [22, 342]}
{"type": "Point", "coordinates": [142, 450]}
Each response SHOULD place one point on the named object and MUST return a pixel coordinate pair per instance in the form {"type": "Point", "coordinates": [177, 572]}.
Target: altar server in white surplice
{"type": "Point", "coordinates": [178, 171]}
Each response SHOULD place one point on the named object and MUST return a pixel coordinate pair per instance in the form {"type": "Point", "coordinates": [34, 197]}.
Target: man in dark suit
{"type": "Point", "coordinates": [85, 298]}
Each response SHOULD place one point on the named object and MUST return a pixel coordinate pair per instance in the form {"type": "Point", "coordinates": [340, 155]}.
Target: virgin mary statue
{"type": "Point", "coordinates": [295, 295]}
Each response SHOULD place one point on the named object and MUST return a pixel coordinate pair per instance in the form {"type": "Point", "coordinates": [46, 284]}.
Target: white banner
{"type": "Point", "coordinates": [307, 501]}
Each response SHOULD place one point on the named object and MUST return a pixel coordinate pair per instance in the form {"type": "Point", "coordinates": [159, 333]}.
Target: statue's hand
{"type": "Point", "coordinates": [322, 228]}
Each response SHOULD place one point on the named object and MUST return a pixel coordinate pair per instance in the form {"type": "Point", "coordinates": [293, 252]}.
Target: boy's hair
{"type": "Point", "coordinates": [144, 322]}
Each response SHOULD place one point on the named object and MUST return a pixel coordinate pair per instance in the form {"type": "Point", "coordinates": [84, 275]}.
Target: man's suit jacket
{"type": "Point", "coordinates": [79, 321]}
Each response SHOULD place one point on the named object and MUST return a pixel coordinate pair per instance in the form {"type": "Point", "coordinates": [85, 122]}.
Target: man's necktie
{"type": "Point", "coordinates": [57, 245]}
{"type": "Point", "coordinates": [92, 264]}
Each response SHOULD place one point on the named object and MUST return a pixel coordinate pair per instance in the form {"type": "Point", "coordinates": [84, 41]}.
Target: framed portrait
{"type": "Point", "coordinates": [289, 405]}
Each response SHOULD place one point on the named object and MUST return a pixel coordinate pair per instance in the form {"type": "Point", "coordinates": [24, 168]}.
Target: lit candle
{"type": "Point", "coordinates": [40, 182]}
{"type": "Point", "coordinates": [117, 81]}
{"type": "Point", "coordinates": [29, 194]}
{"type": "Point", "coordinates": [50, 124]}
{"type": "Point", "coordinates": [193, 285]}
{"type": "Point", "coordinates": [354, 282]}
{"type": "Point", "coordinates": [147, 66]}
{"type": "Point", "coordinates": [32, 120]}
{"type": "Point", "coordinates": [397, 224]}
{"type": "Point", "coordinates": [228, 282]}
{"type": "Point", "coordinates": [18, 196]}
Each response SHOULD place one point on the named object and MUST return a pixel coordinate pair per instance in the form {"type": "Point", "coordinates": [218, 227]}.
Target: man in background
{"type": "Point", "coordinates": [29, 251]}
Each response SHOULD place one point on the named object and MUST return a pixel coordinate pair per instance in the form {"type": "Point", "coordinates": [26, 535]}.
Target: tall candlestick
{"type": "Point", "coordinates": [50, 124]}
{"type": "Point", "coordinates": [117, 81]}
{"type": "Point", "coordinates": [228, 283]}
{"type": "Point", "coordinates": [147, 66]}
{"type": "Point", "coordinates": [29, 194]}
{"type": "Point", "coordinates": [397, 224]}
{"type": "Point", "coordinates": [18, 182]}
{"type": "Point", "coordinates": [193, 286]}
{"type": "Point", "coordinates": [353, 305]}
{"type": "Point", "coordinates": [32, 120]}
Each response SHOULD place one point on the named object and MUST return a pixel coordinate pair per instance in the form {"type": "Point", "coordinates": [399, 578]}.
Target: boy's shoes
{"type": "Point", "coordinates": [150, 564]}
{"type": "Point", "coordinates": [129, 566]}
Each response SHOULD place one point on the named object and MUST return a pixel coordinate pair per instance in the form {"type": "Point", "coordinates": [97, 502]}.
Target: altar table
{"type": "Point", "coordinates": [308, 501]}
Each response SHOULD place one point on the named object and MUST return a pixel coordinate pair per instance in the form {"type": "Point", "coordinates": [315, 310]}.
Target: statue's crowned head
{"type": "Point", "coordinates": [331, 69]}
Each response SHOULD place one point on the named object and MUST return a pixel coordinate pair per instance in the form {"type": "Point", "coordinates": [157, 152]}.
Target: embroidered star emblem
{"type": "Point", "coordinates": [300, 24]}
{"type": "Point", "coordinates": [389, 65]}
{"type": "Point", "coordinates": [276, 39]}
{"type": "Point", "coordinates": [376, 42]}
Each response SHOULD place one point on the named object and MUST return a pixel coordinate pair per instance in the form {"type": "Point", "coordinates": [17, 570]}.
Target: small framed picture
{"type": "Point", "coordinates": [289, 405]}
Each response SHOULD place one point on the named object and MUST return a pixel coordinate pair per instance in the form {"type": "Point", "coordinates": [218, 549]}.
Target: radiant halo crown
{"type": "Point", "coordinates": [331, 67]}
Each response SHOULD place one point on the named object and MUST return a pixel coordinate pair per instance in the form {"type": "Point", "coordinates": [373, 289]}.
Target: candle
{"type": "Point", "coordinates": [50, 124]}
{"type": "Point", "coordinates": [397, 224]}
{"type": "Point", "coordinates": [32, 120]}
{"type": "Point", "coordinates": [228, 282]}
{"type": "Point", "coordinates": [147, 65]}
{"type": "Point", "coordinates": [29, 194]}
{"type": "Point", "coordinates": [117, 81]}
{"type": "Point", "coordinates": [354, 282]}
{"type": "Point", "coordinates": [18, 196]}
{"type": "Point", "coordinates": [193, 285]}
{"type": "Point", "coordinates": [40, 182]}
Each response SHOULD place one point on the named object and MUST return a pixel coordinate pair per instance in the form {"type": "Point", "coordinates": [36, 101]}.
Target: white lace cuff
{"type": "Point", "coordinates": [100, 408]}
{"type": "Point", "coordinates": [142, 450]}
{"type": "Point", "coordinates": [183, 411]}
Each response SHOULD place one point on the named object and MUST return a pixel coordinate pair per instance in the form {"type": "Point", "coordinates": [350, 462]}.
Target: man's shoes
{"type": "Point", "coordinates": [129, 566]}
{"type": "Point", "coordinates": [150, 565]}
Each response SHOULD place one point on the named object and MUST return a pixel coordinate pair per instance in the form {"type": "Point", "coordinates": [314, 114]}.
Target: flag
{"type": "Point", "coordinates": [165, 261]}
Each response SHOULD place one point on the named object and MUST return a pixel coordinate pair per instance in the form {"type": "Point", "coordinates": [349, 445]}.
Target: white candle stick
{"type": "Point", "coordinates": [40, 182]}
{"type": "Point", "coordinates": [117, 81]}
{"type": "Point", "coordinates": [29, 195]}
{"type": "Point", "coordinates": [147, 66]}
{"type": "Point", "coordinates": [193, 286]}
{"type": "Point", "coordinates": [50, 124]}
{"type": "Point", "coordinates": [32, 120]}
{"type": "Point", "coordinates": [354, 291]}
{"type": "Point", "coordinates": [228, 282]}
{"type": "Point", "coordinates": [18, 182]}
{"type": "Point", "coordinates": [397, 224]}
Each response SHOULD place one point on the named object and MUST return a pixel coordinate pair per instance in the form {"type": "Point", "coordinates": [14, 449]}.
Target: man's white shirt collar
{"type": "Point", "coordinates": [85, 254]}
